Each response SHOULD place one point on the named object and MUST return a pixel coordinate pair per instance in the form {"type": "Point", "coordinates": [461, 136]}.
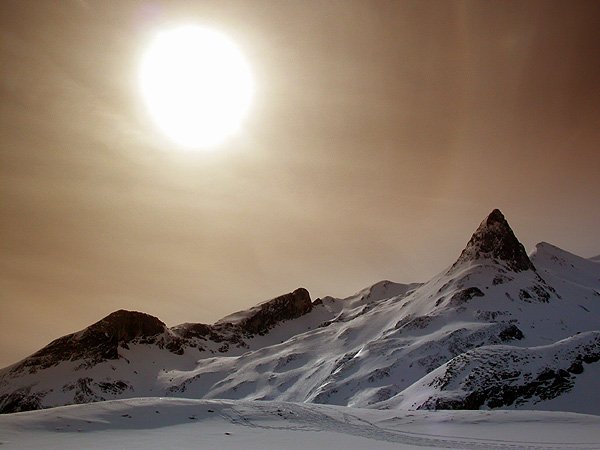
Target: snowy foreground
{"type": "Point", "coordinates": [225, 424]}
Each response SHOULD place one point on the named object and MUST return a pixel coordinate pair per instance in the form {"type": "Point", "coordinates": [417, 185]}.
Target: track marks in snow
{"type": "Point", "coordinates": [156, 423]}
{"type": "Point", "coordinates": [302, 417]}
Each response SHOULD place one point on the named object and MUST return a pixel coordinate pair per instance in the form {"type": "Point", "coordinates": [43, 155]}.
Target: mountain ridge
{"type": "Point", "coordinates": [364, 350]}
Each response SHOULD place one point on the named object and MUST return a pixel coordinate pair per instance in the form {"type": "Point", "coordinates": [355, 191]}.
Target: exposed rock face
{"type": "Point", "coordinates": [462, 297]}
{"type": "Point", "coordinates": [127, 325]}
{"type": "Point", "coordinates": [257, 320]}
{"type": "Point", "coordinates": [490, 332]}
{"type": "Point", "coordinates": [98, 342]}
{"type": "Point", "coordinates": [510, 333]}
{"type": "Point", "coordinates": [495, 239]}
{"type": "Point", "coordinates": [101, 341]}
{"type": "Point", "coordinates": [20, 400]}
{"type": "Point", "coordinates": [506, 376]}
{"type": "Point", "coordinates": [285, 307]}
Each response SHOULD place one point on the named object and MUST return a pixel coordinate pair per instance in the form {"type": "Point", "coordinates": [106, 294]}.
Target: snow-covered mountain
{"type": "Point", "coordinates": [497, 329]}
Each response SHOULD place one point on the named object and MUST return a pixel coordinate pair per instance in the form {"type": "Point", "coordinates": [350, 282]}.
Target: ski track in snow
{"type": "Point", "coordinates": [102, 424]}
{"type": "Point", "coordinates": [354, 425]}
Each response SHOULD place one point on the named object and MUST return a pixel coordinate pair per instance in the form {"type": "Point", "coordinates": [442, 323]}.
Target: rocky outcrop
{"type": "Point", "coordinates": [285, 307]}
{"type": "Point", "coordinates": [101, 341]}
{"type": "Point", "coordinates": [463, 296]}
{"type": "Point", "coordinates": [125, 326]}
{"type": "Point", "coordinates": [98, 342]}
{"type": "Point", "coordinates": [257, 320]}
{"type": "Point", "coordinates": [495, 239]}
{"type": "Point", "coordinates": [506, 376]}
{"type": "Point", "coordinates": [20, 400]}
{"type": "Point", "coordinates": [469, 338]}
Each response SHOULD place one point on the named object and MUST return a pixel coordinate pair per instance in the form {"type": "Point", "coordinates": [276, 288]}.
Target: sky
{"type": "Point", "coordinates": [380, 135]}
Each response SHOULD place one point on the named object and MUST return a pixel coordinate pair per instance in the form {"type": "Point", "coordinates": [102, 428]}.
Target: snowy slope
{"type": "Point", "coordinates": [572, 276]}
{"type": "Point", "coordinates": [503, 376]}
{"type": "Point", "coordinates": [368, 350]}
{"type": "Point", "coordinates": [371, 357]}
{"type": "Point", "coordinates": [168, 423]}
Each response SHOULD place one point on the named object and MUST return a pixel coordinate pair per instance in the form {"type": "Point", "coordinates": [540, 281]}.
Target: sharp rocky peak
{"type": "Point", "coordinates": [494, 239]}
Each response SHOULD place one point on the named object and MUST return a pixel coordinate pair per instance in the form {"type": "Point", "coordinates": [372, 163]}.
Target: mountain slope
{"type": "Point", "coordinates": [507, 376]}
{"type": "Point", "coordinates": [369, 350]}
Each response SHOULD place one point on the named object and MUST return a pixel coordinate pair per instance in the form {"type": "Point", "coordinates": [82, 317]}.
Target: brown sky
{"type": "Point", "coordinates": [380, 136]}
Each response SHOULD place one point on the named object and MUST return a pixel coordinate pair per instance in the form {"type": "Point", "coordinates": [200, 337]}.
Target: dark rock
{"type": "Point", "coordinates": [576, 368]}
{"type": "Point", "coordinates": [524, 295]}
{"type": "Point", "coordinates": [510, 333]}
{"type": "Point", "coordinates": [223, 348]}
{"type": "Point", "coordinates": [194, 330]}
{"type": "Point", "coordinates": [591, 358]}
{"type": "Point", "coordinates": [547, 385]}
{"type": "Point", "coordinates": [494, 239]}
{"type": "Point", "coordinates": [20, 400]}
{"type": "Point", "coordinates": [97, 343]}
{"type": "Point", "coordinates": [378, 374]}
{"type": "Point", "coordinates": [114, 388]}
{"type": "Point", "coordinates": [542, 294]}
{"type": "Point", "coordinates": [465, 295]}
{"type": "Point", "coordinates": [285, 307]}
{"type": "Point", "coordinates": [223, 333]}
{"type": "Point", "coordinates": [124, 326]}
{"type": "Point", "coordinates": [411, 323]}
{"type": "Point", "coordinates": [84, 390]}
{"type": "Point", "coordinates": [176, 346]}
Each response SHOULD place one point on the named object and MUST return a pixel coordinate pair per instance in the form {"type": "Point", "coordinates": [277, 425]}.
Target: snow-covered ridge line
{"type": "Point", "coordinates": [371, 349]}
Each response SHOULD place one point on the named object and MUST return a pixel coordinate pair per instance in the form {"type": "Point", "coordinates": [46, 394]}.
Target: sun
{"type": "Point", "coordinates": [197, 86]}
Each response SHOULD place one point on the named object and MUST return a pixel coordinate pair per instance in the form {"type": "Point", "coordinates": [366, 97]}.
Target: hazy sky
{"type": "Point", "coordinates": [380, 135]}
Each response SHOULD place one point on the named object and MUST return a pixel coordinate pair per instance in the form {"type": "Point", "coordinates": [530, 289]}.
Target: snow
{"type": "Point", "coordinates": [585, 394]}
{"type": "Point", "coordinates": [150, 423]}
{"type": "Point", "coordinates": [364, 349]}
{"type": "Point", "coordinates": [560, 264]}
{"type": "Point", "coordinates": [377, 348]}
{"type": "Point", "coordinates": [478, 370]}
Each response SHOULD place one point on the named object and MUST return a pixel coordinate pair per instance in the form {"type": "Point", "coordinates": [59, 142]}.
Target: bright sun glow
{"type": "Point", "coordinates": [197, 86]}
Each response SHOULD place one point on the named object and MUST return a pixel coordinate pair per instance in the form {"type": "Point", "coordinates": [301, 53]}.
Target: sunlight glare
{"type": "Point", "coordinates": [197, 86]}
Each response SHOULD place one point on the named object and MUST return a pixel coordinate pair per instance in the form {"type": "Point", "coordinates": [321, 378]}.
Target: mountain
{"type": "Point", "coordinates": [495, 240]}
{"type": "Point", "coordinates": [496, 329]}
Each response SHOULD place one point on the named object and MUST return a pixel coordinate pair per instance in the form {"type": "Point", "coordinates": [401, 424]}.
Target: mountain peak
{"type": "Point", "coordinates": [263, 316]}
{"type": "Point", "coordinates": [495, 239]}
{"type": "Point", "coordinates": [126, 325]}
